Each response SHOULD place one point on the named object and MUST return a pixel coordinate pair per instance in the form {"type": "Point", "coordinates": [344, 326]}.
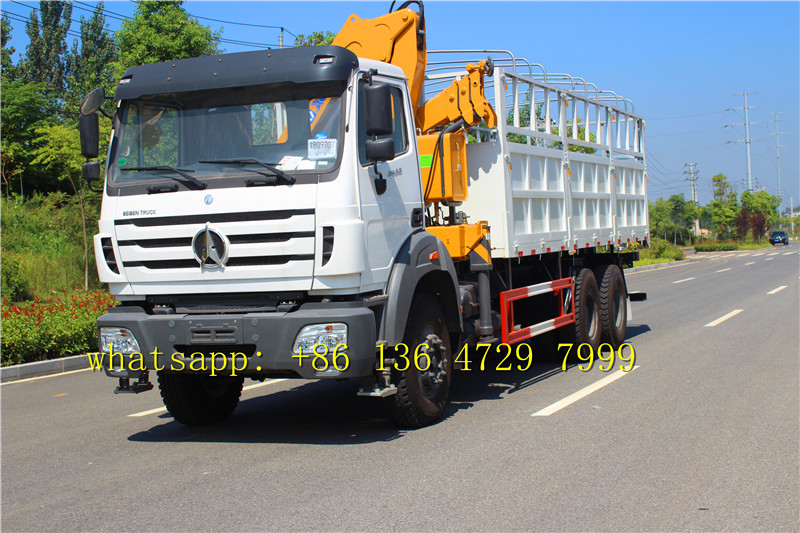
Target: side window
{"type": "Point", "coordinates": [400, 131]}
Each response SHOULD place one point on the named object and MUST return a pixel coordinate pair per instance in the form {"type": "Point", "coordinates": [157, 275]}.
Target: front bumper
{"type": "Point", "coordinates": [255, 344]}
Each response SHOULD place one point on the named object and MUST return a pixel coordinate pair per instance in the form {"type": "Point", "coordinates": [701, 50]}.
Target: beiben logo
{"type": "Point", "coordinates": [210, 248]}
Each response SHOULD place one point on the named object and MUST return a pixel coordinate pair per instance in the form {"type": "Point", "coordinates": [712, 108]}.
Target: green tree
{"type": "Point", "coordinates": [660, 217]}
{"type": "Point", "coordinates": [724, 207]}
{"type": "Point", "coordinates": [91, 59]}
{"type": "Point", "coordinates": [26, 107]}
{"type": "Point", "coordinates": [45, 56]}
{"type": "Point", "coordinates": [721, 187]}
{"type": "Point", "coordinates": [8, 69]}
{"type": "Point", "coordinates": [162, 31]}
{"type": "Point", "coordinates": [762, 208]}
{"type": "Point", "coordinates": [59, 151]}
{"type": "Point", "coordinates": [315, 38]}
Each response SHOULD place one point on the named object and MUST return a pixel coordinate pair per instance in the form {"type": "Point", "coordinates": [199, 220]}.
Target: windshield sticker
{"type": "Point", "coordinates": [321, 149]}
{"type": "Point", "coordinates": [321, 135]}
{"type": "Point", "coordinates": [290, 162]}
{"type": "Point", "coordinates": [305, 164]}
{"type": "Point", "coordinates": [122, 161]}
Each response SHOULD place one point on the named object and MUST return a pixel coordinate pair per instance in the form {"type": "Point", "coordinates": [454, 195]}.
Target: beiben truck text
{"type": "Point", "coordinates": [357, 211]}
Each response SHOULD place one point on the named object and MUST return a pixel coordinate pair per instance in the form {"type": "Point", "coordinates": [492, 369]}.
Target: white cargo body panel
{"type": "Point", "coordinates": [547, 186]}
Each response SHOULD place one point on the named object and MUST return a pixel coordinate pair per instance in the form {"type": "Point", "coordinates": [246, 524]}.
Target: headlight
{"type": "Point", "coordinates": [121, 340]}
{"type": "Point", "coordinates": [330, 335]}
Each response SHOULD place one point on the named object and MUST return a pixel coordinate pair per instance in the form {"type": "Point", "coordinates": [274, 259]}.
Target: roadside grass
{"type": "Point", "coordinates": [652, 261]}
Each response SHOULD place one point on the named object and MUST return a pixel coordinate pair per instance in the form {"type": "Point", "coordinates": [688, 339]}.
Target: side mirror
{"type": "Point", "coordinates": [379, 149]}
{"type": "Point", "coordinates": [378, 109]}
{"type": "Point", "coordinates": [90, 135]}
{"type": "Point", "coordinates": [92, 101]}
{"type": "Point", "coordinates": [91, 171]}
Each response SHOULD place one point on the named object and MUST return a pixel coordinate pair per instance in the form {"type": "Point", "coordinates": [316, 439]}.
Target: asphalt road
{"type": "Point", "coordinates": [702, 435]}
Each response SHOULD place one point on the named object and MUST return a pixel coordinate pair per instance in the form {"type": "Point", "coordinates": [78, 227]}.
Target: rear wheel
{"type": "Point", "coordinates": [586, 303]}
{"type": "Point", "coordinates": [198, 400]}
{"type": "Point", "coordinates": [613, 305]}
{"type": "Point", "coordinates": [423, 388]}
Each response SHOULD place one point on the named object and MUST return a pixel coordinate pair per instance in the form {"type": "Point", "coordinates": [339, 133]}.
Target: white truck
{"type": "Point", "coordinates": [311, 213]}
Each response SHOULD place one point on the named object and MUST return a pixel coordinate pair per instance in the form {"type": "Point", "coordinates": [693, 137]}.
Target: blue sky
{"type": "Point", "coordinates": [680, 62]}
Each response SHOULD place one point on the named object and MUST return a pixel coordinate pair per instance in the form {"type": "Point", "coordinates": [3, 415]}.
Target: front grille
{"type": "Point", "coordinates": [229, 240]}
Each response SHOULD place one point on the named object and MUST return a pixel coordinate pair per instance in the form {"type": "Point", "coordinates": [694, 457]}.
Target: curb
{"type": "Point", "coordinates": [43, 368]}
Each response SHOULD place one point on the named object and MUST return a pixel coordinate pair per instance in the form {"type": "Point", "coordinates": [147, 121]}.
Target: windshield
{"type": "Point", "coordinates": [225, 133]}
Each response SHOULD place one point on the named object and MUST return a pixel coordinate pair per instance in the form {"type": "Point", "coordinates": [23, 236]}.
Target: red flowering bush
{"type": "Point", "coordinates": [46, 329]}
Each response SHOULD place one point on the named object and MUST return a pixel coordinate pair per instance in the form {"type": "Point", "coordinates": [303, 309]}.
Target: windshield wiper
{"type": "Point", "coordinates": [275, 170]}
{"type": "Point", "coordinates": [182, 171]}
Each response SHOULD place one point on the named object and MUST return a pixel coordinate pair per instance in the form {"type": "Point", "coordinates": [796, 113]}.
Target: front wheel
{"type": "Point", "coordinates": [422, 388]}
{"type": "Point", "coordinates": [198, 400]}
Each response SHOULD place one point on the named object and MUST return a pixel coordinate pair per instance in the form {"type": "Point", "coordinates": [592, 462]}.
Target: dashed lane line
{"type": "Point", "coordinates": [722, 319]}
{"type": "Point", "coordinates": [164, 409]}
{"type": "Point", "coordinates": [723, 270]}
{"type": "Point", "coordinates": [682, 280]}
{"type": "Point", "coordinates": [750, 263]}
{"type": "Point", "coordinates": [774, 253]}
{"type": "Point", "coordinates": [776, 290]}
{"type": "Point", "coordinates": [584, 392]}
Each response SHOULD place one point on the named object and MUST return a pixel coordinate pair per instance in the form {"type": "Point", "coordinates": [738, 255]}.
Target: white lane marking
{"type": "Point", "coordinates": [742, 255]}
{"type": "Point", "coordinates": [682, 280]}
{"type": "Point", "coordinates": [45, 377]}
{"type": "Point", "coordinates": [779, 289]}
{"type": "Point", "coordinates": [769, 259]}
{"type": "Point", "coordinates": [790, 253]}
{"type": "Point", "coordinates": [723, 270]}
{"type": "Point", "coordinates": [264, 384]}
{"type": "Point", "coordinates": [164, 409]}
{"type": "Point", "coordinates": [722, 319]}
{"type": "Point", "coordinates": [759, 255]}
{"type": "Point", "coordinates": [750, 263]}
{"type": "Point", "coordinates": [586, 391]}
{"type": "Point", "coordinates": [150, 412]}
{"type": "Point", "coordinates": [774, 253]}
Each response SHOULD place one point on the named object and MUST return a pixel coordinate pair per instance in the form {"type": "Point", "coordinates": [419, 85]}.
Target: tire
{"type": "Point", "coordinates": [586, 298]}
{"type": "Point", "coordinates": [198, 400]}
{"type": "Point", "coordinates": [422, 396]}
{"type": "Point", "coordinates": [613, 305]}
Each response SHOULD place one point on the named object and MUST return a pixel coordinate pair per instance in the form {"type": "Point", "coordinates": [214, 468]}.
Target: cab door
{"type": "Point", "coordinates": [387, 207]}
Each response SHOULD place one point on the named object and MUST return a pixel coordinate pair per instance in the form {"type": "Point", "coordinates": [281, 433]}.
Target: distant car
{"type": "Point", "coordinates": [778, 237]}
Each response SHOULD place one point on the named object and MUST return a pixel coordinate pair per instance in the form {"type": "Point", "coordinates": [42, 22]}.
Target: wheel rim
{"type": "Point", "coordinates": [432, 378]}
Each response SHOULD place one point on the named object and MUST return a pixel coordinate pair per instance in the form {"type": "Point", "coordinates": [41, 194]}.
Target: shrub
{"type": "Point", "coordinates": [716, 247]}
{"type": "Point", "coordinates": [39, 330]}
{"type": "Point", "coordinates": [13, 286]}
{"type": "Point", "coordinates": [660, 249]}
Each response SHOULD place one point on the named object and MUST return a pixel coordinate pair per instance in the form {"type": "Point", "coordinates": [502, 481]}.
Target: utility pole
{"type": "Point", "coordinates": [778, 154]}
{"type": "Point", "coordinates": [746, 135]}
{"type": "Point", "coordinates": [692, 179]}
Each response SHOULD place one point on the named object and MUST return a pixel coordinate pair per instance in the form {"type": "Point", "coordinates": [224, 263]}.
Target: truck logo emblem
{"type": "Point", "coordinates": [208, 199]}
{"type": "Point", "coordinates": [210, 248]}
